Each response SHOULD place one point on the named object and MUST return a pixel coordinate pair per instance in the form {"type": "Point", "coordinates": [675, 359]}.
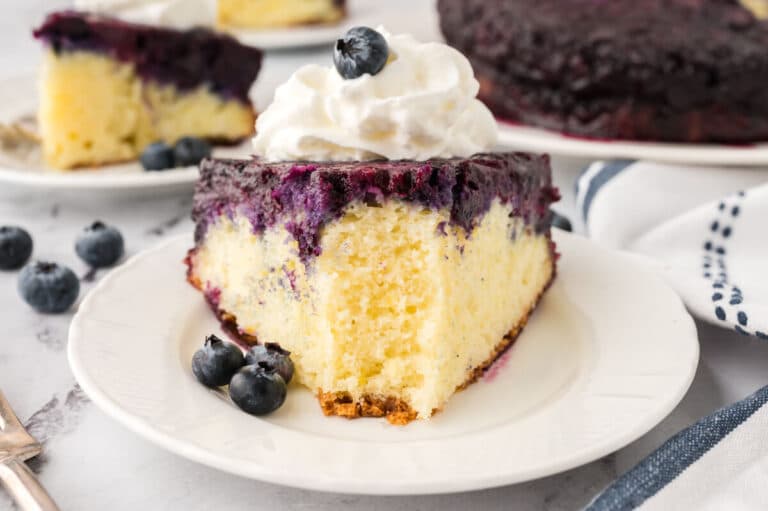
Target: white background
{"type": "Point", "coordinates": [92, 463]}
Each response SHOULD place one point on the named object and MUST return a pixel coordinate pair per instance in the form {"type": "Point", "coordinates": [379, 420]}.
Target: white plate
{"type": "Point", "coordinates": [371, 13]}
{"type": "Point", "coordinates": [527, 138]}
{"type": "Point", "coordinates": [608, 354]}
{"type": "Point", "coordinates": [18, 98]}
{"type": "Point", "coordinates": [290, 38]}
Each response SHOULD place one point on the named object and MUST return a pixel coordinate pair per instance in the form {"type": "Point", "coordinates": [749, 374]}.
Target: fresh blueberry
{"type": "Point", "coordinates": [48, 287]}
{"type": "Point", "coordinates": [100, 245]}
{"type": "Point", "coordinates": [216, 362]}
{"type": "Point", "coordinates": [258, 389]}
{"type": "Point", "coordinates": [190, 150]}
{"type": "Point", "coordinates": [157, 156]}
{"type": "Point", "coordinates": [273, 355]}
{"type": "Point", "coordinates": [561, 222]}
{"type": "Point", "coordinates": [361, 50]}
{"type": "Point", "coordinates": [15, 247]}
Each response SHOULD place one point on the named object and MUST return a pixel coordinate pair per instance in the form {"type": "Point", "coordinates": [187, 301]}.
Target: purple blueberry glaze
{"type": "Point", "coordinates": [674, 70]}
{"type": "Point", "coordinates": [272, 193]}
{"type": "Point", "coordinates": [185, 59]}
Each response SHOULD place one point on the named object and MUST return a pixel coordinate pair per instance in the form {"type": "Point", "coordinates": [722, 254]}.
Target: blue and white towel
{"type": "Point", "coordinates": [703, 468]}
{"type": "Point", "coordinates": [706, 231]}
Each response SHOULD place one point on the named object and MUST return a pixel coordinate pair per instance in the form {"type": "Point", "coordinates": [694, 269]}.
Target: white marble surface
{"type": "Point", "coordinates": [92, 463]}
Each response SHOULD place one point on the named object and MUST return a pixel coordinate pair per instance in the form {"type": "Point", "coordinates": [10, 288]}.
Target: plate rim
{"type": "Point", "coordinates": [532, 138]}
{"type": "Point", "coordinates": [322, 483]}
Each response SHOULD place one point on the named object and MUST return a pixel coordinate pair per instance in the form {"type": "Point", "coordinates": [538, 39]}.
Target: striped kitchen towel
{"type": "Point", "coordinates": [718, 464]}
{"type": "Point", "coordinates": [704, 229]}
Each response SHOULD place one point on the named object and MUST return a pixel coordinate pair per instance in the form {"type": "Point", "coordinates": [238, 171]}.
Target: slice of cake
{"type": "Point", "coordinates": [277, 13]}
{"type": "Point", "coordinates": [393, 284]}
{"type": "Point", "coordinates": [109, 88]}
{"type": "Point", "coordinates": [373, 237]}
{"type": "Point", "coordinates": [666, 70]}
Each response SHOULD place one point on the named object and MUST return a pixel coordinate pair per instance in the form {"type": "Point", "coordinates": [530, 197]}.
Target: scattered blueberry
{"type": "Point", "coordinates": [15, 247]}
{"type": "Point", "coordinates": [361, 50]}
{"type": "Point", "coordinates": [561, 222]}
{"type": "Point", "coordinates": [258, 389]}
{"type": "Point", "coordinates": [157, 156]}
{"type": "Point", "coordinates": [216, 362]}
{"type": "Point", "coordinates": [273, 355]}
{"type": "Point", "coordinates": [100, 245]}
{"type": "Point", "coordinates": [190, 150]}
{"type": "Point", "coordinates": [48, 287]}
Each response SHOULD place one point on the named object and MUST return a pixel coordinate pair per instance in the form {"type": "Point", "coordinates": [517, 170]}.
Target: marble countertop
{"type": "Point", "coordinates": [92, 463]}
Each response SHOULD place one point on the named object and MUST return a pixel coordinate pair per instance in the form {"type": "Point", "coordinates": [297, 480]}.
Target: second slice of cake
{"type": "Point", "coordinates": [109, 88]}
{"type": "Point", "coordinates": [277, 13]}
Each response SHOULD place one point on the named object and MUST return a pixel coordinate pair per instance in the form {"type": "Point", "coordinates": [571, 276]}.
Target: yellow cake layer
{"type": "Point", "coordinates": [96, 110]}
{"type": "Point", "coordinates": [391, 307]}
{"type": "Point", "coordinates": [276, 13]}
{"type": "Point", "coordinates": [758, 7]}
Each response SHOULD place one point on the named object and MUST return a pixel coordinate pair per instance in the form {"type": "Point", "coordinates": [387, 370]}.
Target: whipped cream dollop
{"type": "Point", "coordinates": [421, 105]}
{"type": "Point", "coordinates": [170, 13]}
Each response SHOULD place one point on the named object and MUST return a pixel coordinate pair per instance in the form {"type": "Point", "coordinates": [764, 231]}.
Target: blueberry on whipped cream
{"type": "Point", "coordinates": [421, 105]}
{"type": "Point", "coordinates": [361, 50]}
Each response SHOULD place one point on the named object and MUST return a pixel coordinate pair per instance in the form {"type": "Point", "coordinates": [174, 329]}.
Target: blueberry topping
{"type": "Point", "coordinates": [48, 287]}
{"type": "Point", "coordinates": [216, 362]}
{"type": "Point", "coordinates": [361, 50]}
{"type": "Point", "coordinates": [273, 355]}
{"type": "Point", "coordinates": [157, 156]}
{"type": "Point", "coordinates": [15, 247]}
{"type": "Point", "coordinates": [561, 222]}
{"type": "Point", "coordinates": [190, 151]}
{"type": "Point", "coordinates": [100, 245]}
{"type": "Point", "coordinates": [258, 389]}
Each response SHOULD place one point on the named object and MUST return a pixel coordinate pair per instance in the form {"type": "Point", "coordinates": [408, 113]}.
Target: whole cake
{"type": "Point", "coordinates": [278, 13]}
{"type": "Point", "coordinates": [109, 88]}
{"type": "Point", "coordinates": [371, 239]}
{"type": "Point", "coordinates": [666, 70]}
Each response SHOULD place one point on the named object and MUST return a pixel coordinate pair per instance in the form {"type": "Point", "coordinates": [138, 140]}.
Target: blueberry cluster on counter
{"type": "Point", "coordinates": [49, 287]}
{"type": "Point", "coordinates": [258, 381]}
{"type": "Point", "coordinates": [185, 152]}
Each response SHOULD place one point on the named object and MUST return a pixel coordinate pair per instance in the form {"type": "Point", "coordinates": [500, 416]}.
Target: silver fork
{"type": "Point", "coordinates": [16, 446]}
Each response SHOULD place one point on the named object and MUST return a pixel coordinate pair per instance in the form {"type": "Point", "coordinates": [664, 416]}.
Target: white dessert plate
{"type": "Point", "coordinates": [18, 99]}
{"type": "Point", "coordinates": [608, 354]}
{"type": "Point", "coordinates": [527, 138]}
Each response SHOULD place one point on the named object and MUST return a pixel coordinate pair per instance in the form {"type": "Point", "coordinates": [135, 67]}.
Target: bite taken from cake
{"type": "Point", "coordinates": [110, 88]}
{"type": "Point", "coordinates": [374, 236]}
